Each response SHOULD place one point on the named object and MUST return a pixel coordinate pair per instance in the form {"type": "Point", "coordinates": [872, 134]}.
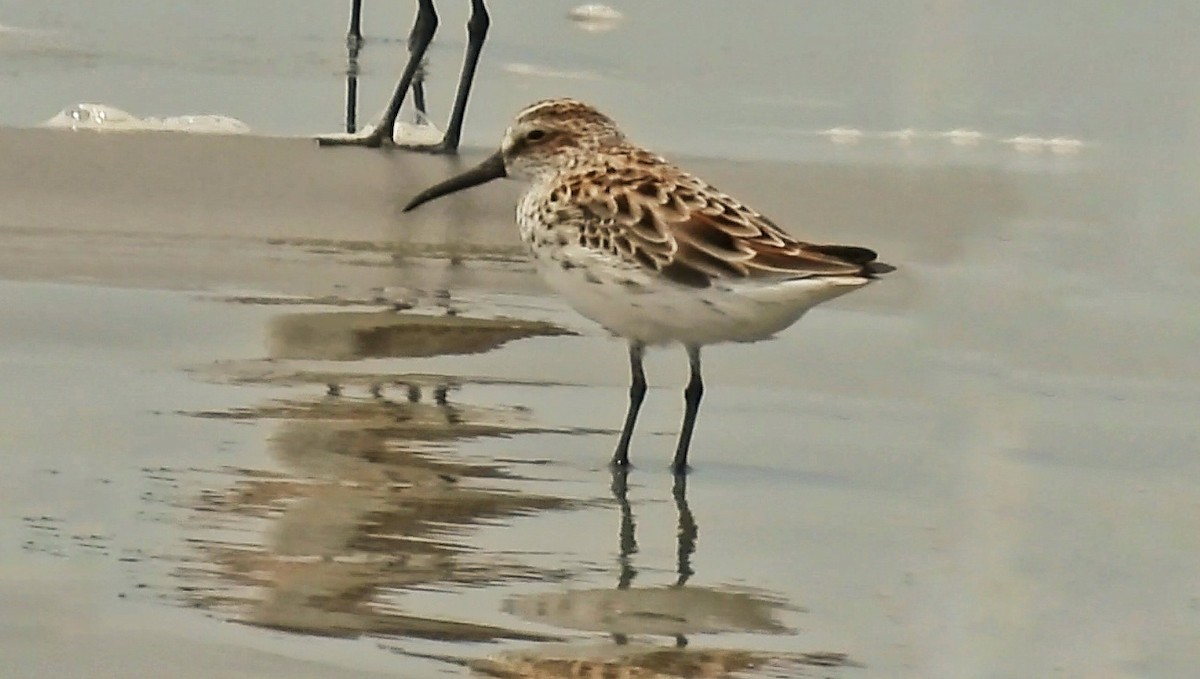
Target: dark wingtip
{"type": "Point", "coordinates": [852, 254]}
{"type": "Point", "coordinates": [873, 269]}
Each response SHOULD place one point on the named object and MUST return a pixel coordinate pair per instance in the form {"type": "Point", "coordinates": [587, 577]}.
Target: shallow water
{"type": "Point", "coordinates": [983, 465]}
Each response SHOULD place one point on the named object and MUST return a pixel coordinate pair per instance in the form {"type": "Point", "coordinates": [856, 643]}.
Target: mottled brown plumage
{"type": "Point", "coordinates": [640, 207]}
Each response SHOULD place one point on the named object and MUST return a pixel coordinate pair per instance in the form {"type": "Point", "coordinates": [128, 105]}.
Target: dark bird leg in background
{"type": "Point", "coordinates": [354, 37]}
{"type": "Point", "coordinates": [419, 39]}
{"type": "Point", "coordinates": [477, 28]}
{"type": "Point", "coordinates": [354, 41]}
{"type": "Point", "coordinates": [422, 34]}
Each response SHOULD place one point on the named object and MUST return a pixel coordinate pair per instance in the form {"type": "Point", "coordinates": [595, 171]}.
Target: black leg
{"type": "Point", "coordinates": [637, 393]}
{"type": "Point", "coordinates": [418, 89]}
{"type": "Point", "coordinates": [691, 399]}
{"type": "Point", "coordinates": [354, 37]}
{"type": "Point", "coordinates": [477, 28]}
{"type": "Point", "coordinates": [352, 96]}
{"type": "Point", "coordinates": [354, 41]}
{"type": "Point", "coordinates": [422, 34]}
{"type": "Point", "coordinates": [418, 82]}
{"type": "Point", "coordinates": [423, 29]}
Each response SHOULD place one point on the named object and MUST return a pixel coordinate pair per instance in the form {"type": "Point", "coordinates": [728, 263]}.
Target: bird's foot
{"type": "Point", "coordinates": [370, 137]}
{"type": "Point", "coordinates": [415, 138]}
{"type": "Point", "coordinates": [440, 148]}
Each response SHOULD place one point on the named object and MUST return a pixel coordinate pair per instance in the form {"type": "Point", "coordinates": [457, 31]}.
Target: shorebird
{"type": "Point", "coordinates": [424, 26]}
{"type": "Point", "coordinates": [652, 253]}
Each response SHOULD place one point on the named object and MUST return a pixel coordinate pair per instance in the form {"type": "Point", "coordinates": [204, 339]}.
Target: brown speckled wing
{"type": "Point", "coordinates": [673, 223]}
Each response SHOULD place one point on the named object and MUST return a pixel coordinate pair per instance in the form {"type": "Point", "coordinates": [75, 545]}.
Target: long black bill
{"type": "Point", "coordinates": [492, 168]}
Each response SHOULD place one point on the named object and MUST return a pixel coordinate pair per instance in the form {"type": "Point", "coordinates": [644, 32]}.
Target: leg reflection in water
{"type": "Point", "coordinates": [685, 538]}
{"type": "Point", "coordinates": [630, 612]}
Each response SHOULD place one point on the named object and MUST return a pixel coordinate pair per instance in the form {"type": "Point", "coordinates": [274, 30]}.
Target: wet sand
{"type": "Point", "coordinates": [232, 447]}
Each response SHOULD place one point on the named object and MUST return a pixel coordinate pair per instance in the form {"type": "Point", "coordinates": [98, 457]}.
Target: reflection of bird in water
{"type": "Point", "coordinates": [352, 335]}
{"type": "Point", "coordinates": [451, 413]}
{"type": "Point", "coordinates": [674, 610]}
{"type": "Point", "coordinates": [359, 512]}
{"type": "Point", "coordinates": [424, 26]}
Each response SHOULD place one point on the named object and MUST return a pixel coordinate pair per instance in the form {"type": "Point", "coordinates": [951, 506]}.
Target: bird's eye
{"type": "Point", "coordinates": [535, 135]}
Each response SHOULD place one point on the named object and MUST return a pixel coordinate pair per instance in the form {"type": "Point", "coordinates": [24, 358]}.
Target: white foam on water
{"type": "Point", "coordinates": [403, 134]}
{"type": "Point", "coordinates": [1025, 143]}
{"type": "Point", "coordinates": [105, 118]}
{"type": "Point", "coordinates": [595, 17]}
{"type": "Point", "coordinates": [843, 135]}
{"type": "Point", "coordinates": [538, 71]}
{"type": "Point", "coordinates": [426, 134]}
{"type": "Point", "coordinates": [20, 32]}
{"type": "Point", "coordinates": [964, 137]}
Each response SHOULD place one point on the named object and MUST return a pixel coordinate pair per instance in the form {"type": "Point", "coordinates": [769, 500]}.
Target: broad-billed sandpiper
{"type": "Point", "coordinates": [424, 26]}
{"type": "Point", "coordinates": [652, 253]}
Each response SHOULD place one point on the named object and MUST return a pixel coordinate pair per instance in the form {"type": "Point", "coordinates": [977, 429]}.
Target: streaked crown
{"type": "Point", "coordinates": [553, 135]}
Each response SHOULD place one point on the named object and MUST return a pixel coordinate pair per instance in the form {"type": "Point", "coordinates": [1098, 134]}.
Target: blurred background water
{"type": "Point", "coordinates": [744, 79]}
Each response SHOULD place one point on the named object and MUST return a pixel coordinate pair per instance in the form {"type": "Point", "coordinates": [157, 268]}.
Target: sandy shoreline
{"type": "Point", "coordinates": [185, 211]}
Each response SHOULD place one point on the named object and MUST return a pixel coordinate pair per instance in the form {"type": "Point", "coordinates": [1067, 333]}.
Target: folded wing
{"type": "Point", "coordinates": [694, 234]}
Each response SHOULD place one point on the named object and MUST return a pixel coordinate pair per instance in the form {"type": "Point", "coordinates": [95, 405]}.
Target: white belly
{"type": "Point", "coordinates": [640, 305]}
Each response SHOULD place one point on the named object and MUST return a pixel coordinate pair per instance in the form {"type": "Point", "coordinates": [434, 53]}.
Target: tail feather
{"type": "Point", "coordinates": [864, 257]}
